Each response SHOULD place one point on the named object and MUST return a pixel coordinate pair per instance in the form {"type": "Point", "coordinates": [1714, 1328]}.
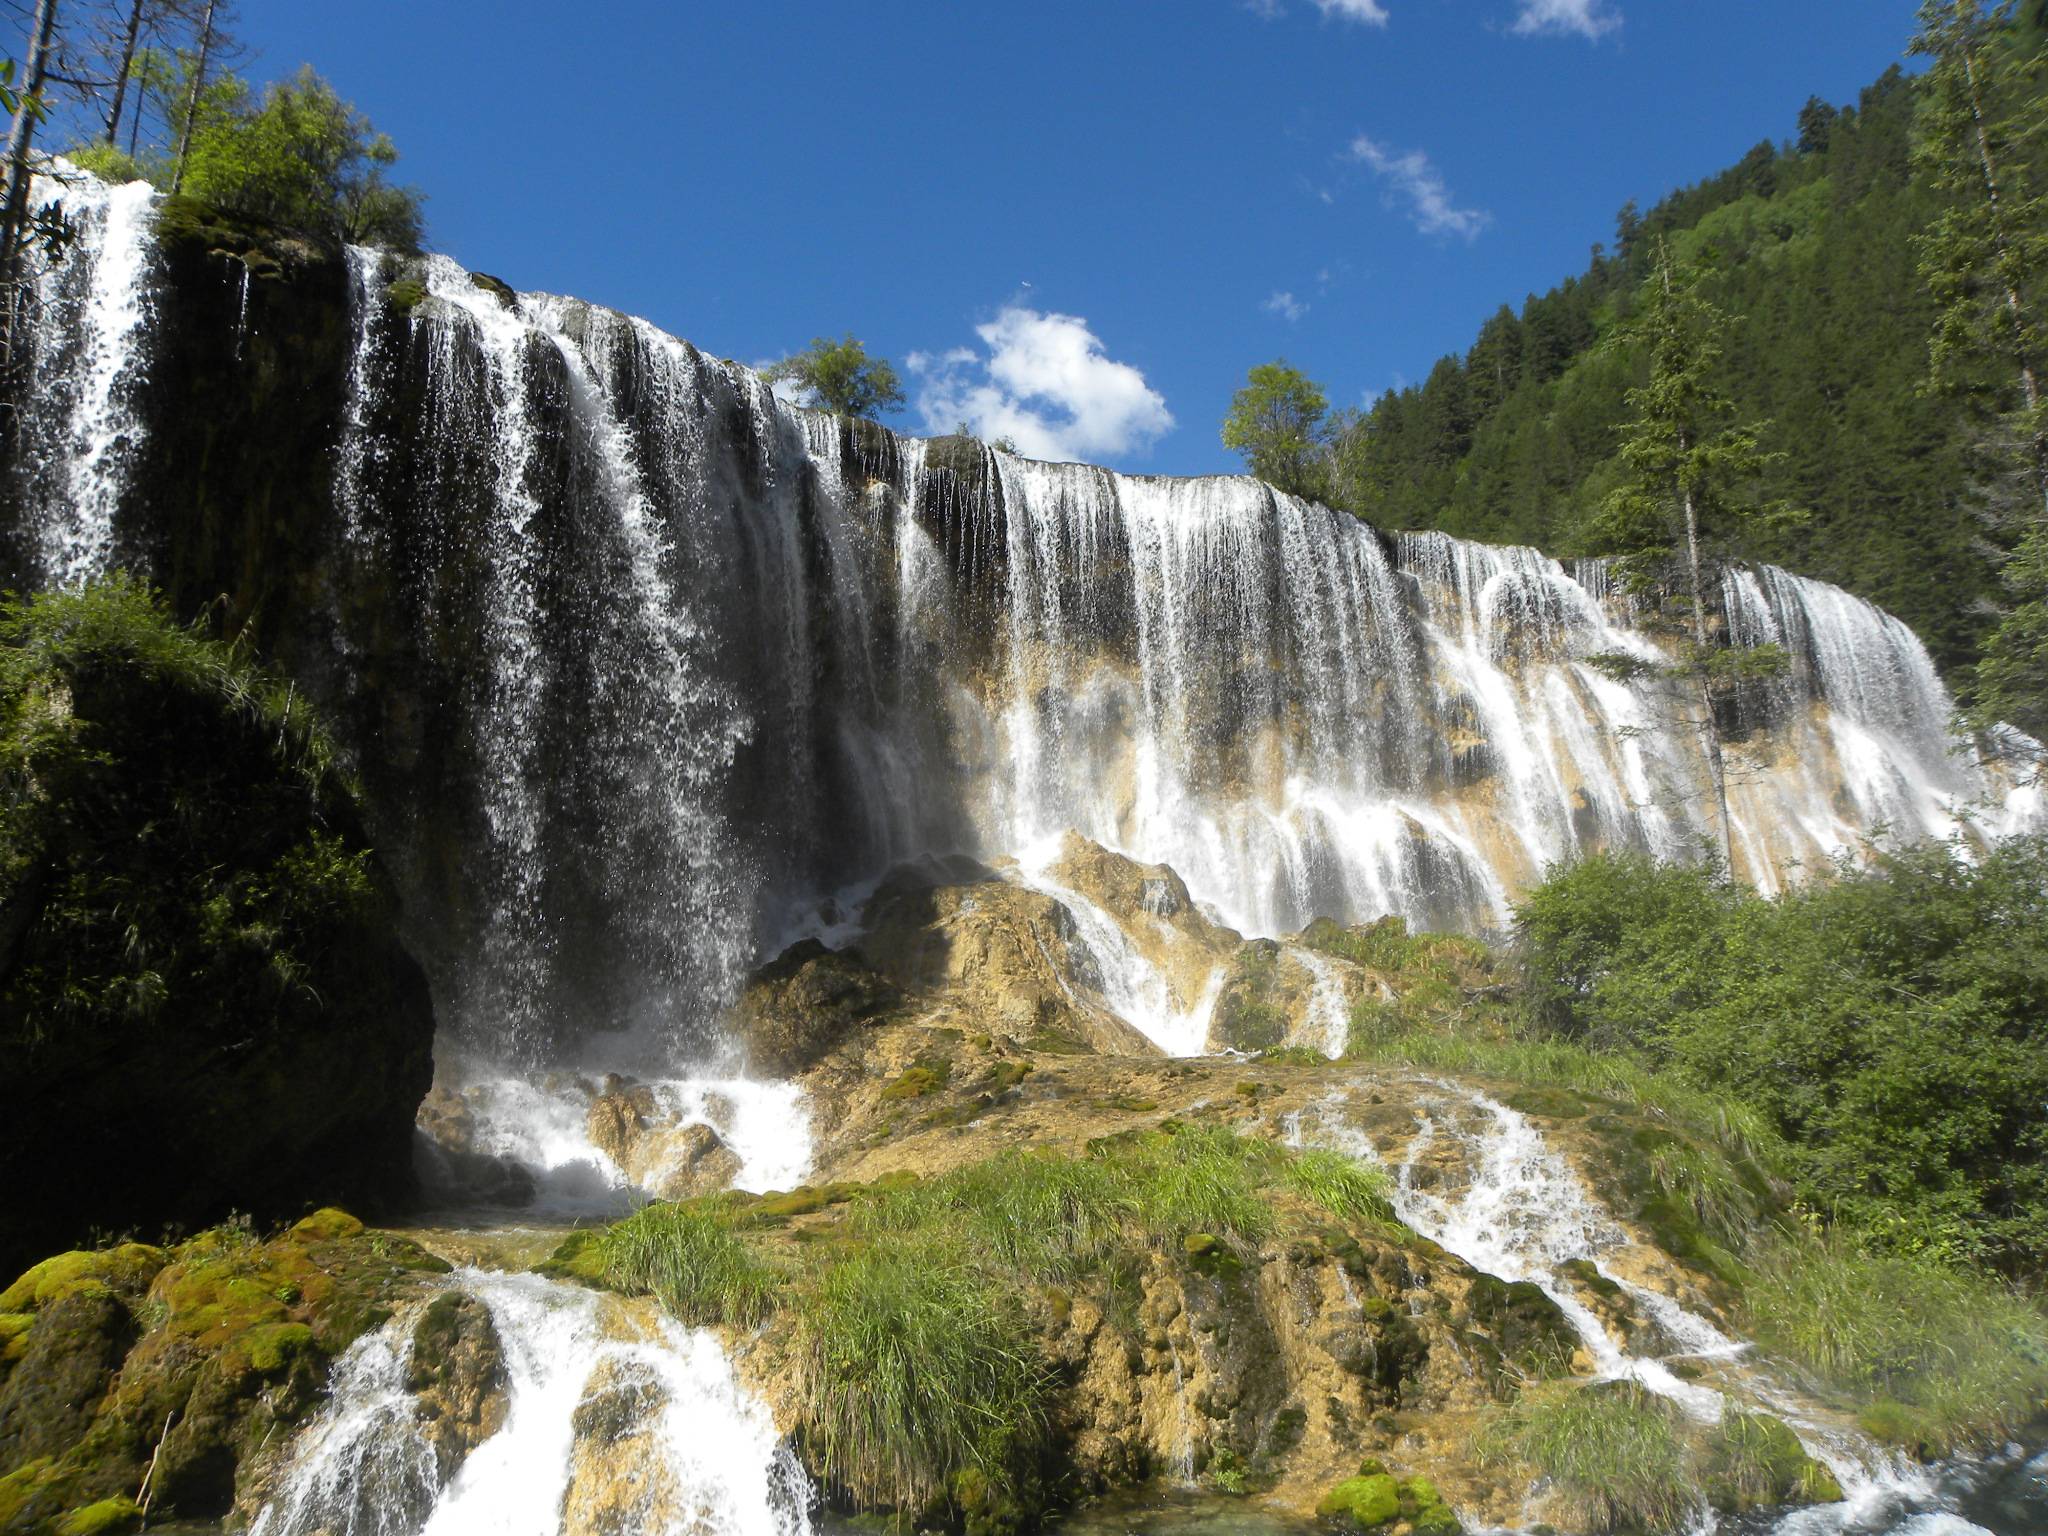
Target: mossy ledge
{"type": "Point", "coordinates": [187, 1359]}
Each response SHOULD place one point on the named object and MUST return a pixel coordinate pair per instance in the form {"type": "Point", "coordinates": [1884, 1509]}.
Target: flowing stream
{"type": "Point", "coordinates": [1521, 1212]}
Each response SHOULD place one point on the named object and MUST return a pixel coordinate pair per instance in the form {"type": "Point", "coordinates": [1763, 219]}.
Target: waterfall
{"type": "Point", "coordinates": [711, 1460]}
{"type": "Point", "coordinates": [638, 664]}
{"type": "Point", "coordinates": [78, 427]}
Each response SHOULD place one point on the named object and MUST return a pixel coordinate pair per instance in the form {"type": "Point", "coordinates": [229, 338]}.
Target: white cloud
{"type": "Point", "coordinates": [1285, 305]}
{"type": "Point", "coordinates": [1587, 18]}
{"type": "Point", "coordinates": [1370, 12]}
{"type": "Point", "coordinates": [1410, 174]}
{"type": "Point", "coordinates": [1045, 384]}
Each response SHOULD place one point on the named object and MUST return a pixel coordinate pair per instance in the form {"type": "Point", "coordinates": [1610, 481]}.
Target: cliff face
{"type": "Point", "coordinates": [639, 667]}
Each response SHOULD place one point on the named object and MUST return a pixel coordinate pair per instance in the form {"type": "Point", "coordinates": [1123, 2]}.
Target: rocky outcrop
{"type": "Point", "coordinates": [457, 1377]}
{"type": "Point", "coordinates": [204, 1003]}
{"type": "Point", "coordinates": [156, 1376]}
{"type": "Point", "coordinates": [804, 1002]}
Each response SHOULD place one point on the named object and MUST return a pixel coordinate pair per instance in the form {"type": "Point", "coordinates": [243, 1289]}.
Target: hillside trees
{"type": "Point", "coordinates": [1985, 260]}
{"type": "Point", "coordinates": [1514, 438]}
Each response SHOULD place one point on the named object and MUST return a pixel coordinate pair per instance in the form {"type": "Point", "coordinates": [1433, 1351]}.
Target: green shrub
{"type": "Point", "coordinates": [916, 1368]}
{"type": "Point", "coordinates": [1614, 1452]}
{"type": "Point", "coordinates": [693, 1260]}
{"type": "Point", "coordinates": [1890, 1023]}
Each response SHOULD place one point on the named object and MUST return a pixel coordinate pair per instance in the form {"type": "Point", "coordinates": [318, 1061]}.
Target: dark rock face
{"type": "Point", "coordinates": [802, 1003]}
{"type": "Point", "coordinates": [204, 1003]}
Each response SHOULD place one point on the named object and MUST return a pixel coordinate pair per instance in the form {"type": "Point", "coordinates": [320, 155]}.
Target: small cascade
{"type": "Point", "coordinates": [543, 1126]}
{"type": "Point", "coordinates": [80, 430]}
{"type": "Point", "coordinates": [1524, 1213]}
{"type": "Point", "coordinates": [703, 1453]}
{"type": "Point", "coordinates": [1129, 984]}
{"type": "Point", "coordinates": [1329, 1010]}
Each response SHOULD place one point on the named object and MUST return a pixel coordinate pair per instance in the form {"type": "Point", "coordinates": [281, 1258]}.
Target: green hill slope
{"type": "Point", "coordinates": [1514, 441]}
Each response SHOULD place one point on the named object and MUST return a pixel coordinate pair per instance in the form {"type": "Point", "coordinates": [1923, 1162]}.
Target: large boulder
{"type": "Point", "coordinates": [204, 1004]}
{"type": "Point", "coordinates": [802, 1003]}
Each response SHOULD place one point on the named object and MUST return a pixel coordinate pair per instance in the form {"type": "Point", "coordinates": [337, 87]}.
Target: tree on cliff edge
{"type": "Point", "coordinates": [840, 377]}
{"type": "Point", "coordinates": [1276, 422]}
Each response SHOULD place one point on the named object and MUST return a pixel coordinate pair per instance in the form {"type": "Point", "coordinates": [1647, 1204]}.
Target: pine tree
{"type": "Point", "coordinates": [1689, 471]}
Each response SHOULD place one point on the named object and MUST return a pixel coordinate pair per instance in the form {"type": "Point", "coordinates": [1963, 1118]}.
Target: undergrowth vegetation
{"type": "Point", "coordinates": [1614, 1454]}
{"type": "Point", "coordinates": [1829, 1100]}
{"type": "Point", "coordinates": [922, 1380]}
{"type": "Point", "coordinates": [1938, 1357]}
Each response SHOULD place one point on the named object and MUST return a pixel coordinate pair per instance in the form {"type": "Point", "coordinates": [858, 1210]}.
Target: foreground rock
{"type": "Point", "coordinates": [139, 1377]}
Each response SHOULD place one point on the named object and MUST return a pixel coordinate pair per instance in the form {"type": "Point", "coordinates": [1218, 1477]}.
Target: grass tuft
{"type": "Point", "coordinates": [916, 1367]}
{"type": "Point", "coordinates": [693, 1259]}
{"type": "Point", "coordinates": [1349, 1188]}
{"type": "Point", "coordinates": [1615, 1454]}
{"type": "Point", "coordinates": [1941, 1357]}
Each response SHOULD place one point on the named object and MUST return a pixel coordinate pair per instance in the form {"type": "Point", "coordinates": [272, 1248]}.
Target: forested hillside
{"type": "Point", "coordinates": [1811, 242]}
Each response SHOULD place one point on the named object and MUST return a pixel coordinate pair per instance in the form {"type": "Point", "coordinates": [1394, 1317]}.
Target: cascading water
{"type": "Point", "coordinates": [90, 309]}
{"type": "Point", "coordinates": [711, 1459]}
{"type": "Point", "coordinates": [1523, 1213]}
{"type": "Point", "coordinates": [638, 662]}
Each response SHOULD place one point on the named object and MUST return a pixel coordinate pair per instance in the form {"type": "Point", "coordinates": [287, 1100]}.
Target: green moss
{"type": "Point", "coordinates": [406, 295]}
{"type": "Point", "coordinates": [1424, 1509]}
{"type": "Point", "coordinates": [1753, 1461]}
{"type": "Point", "coordinates": [109, 1517]}
{"type": "Point", "coordinates": [1913, 1430]}
{"type": "Point", "coordinates": [126, 1269]}
{"type": "Point", "coordinates": [926, 1075]}
{"type": "Point", "coordinates": [273, 1348]}
{"type": "Point", "coordinates": [14, 1327]}
{"type": "Point", "coordinates": [578, 1258]}
{"type": "Point", "coordinates": [327, 1226]}
{"type": "Point", "coordinates": [1362, 1503]}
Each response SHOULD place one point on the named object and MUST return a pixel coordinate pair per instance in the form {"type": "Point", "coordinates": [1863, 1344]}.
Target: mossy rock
{"type": "Point", "coordinates": [1902, 1425]}
{"type": "Point", "coordinates": [1424, 1509]}
{"type": "Point", "coordinates": [327, 1225]}
{"type": "Point", "coordinates": [1754, 1461]}
{"type": "Point", "coordinates": [406, 295]}
{"type": "Point", "coordinates": [107, 1517]}
{"type": "Point", "coordinates": [924, 1076]}
{"type": "Point", "coordinates": [1543, 1099]}
{"type": "Point", "coordinates": [125, 1270]}
{"type": "Point", "coordinates": [578, 1259]}
{"type": "Point", "coordinates": [497, 288]}
{"type": "Point", "coordinates": [1362, 1503]}
{"type": "Point", "coordinates": [1532, 1335]}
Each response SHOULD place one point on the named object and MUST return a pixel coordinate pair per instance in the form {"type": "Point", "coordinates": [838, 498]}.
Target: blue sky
{"type": "Point", "coordinates": [1085, 219]}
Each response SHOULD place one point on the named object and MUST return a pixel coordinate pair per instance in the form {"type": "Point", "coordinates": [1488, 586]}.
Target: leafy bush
{"type": "Point", "coordinates": [172, 833]}
{"type": "Point", "coordinates": [693, 1260]}
{"type": "Point", "coordinates": [1890, 1023]}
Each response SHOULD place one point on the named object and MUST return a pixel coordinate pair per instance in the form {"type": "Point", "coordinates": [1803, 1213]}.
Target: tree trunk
{"type": "Point", "coordinates": [121, 75]}
{"type": "Point", "coordinates": [192, 100]}
{"type": "Point", "coordinates": [20, 135]}
{"type": "Point", "coordinates": [2030, 386]}
{"type": "Point", "coordinates": [1710, 728]}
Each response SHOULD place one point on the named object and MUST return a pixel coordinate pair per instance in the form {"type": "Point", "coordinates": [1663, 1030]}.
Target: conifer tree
{"type": "Point", "coordinates": [1689, 472]}
{"type": "Point", "coordinates": [1985, 259]}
